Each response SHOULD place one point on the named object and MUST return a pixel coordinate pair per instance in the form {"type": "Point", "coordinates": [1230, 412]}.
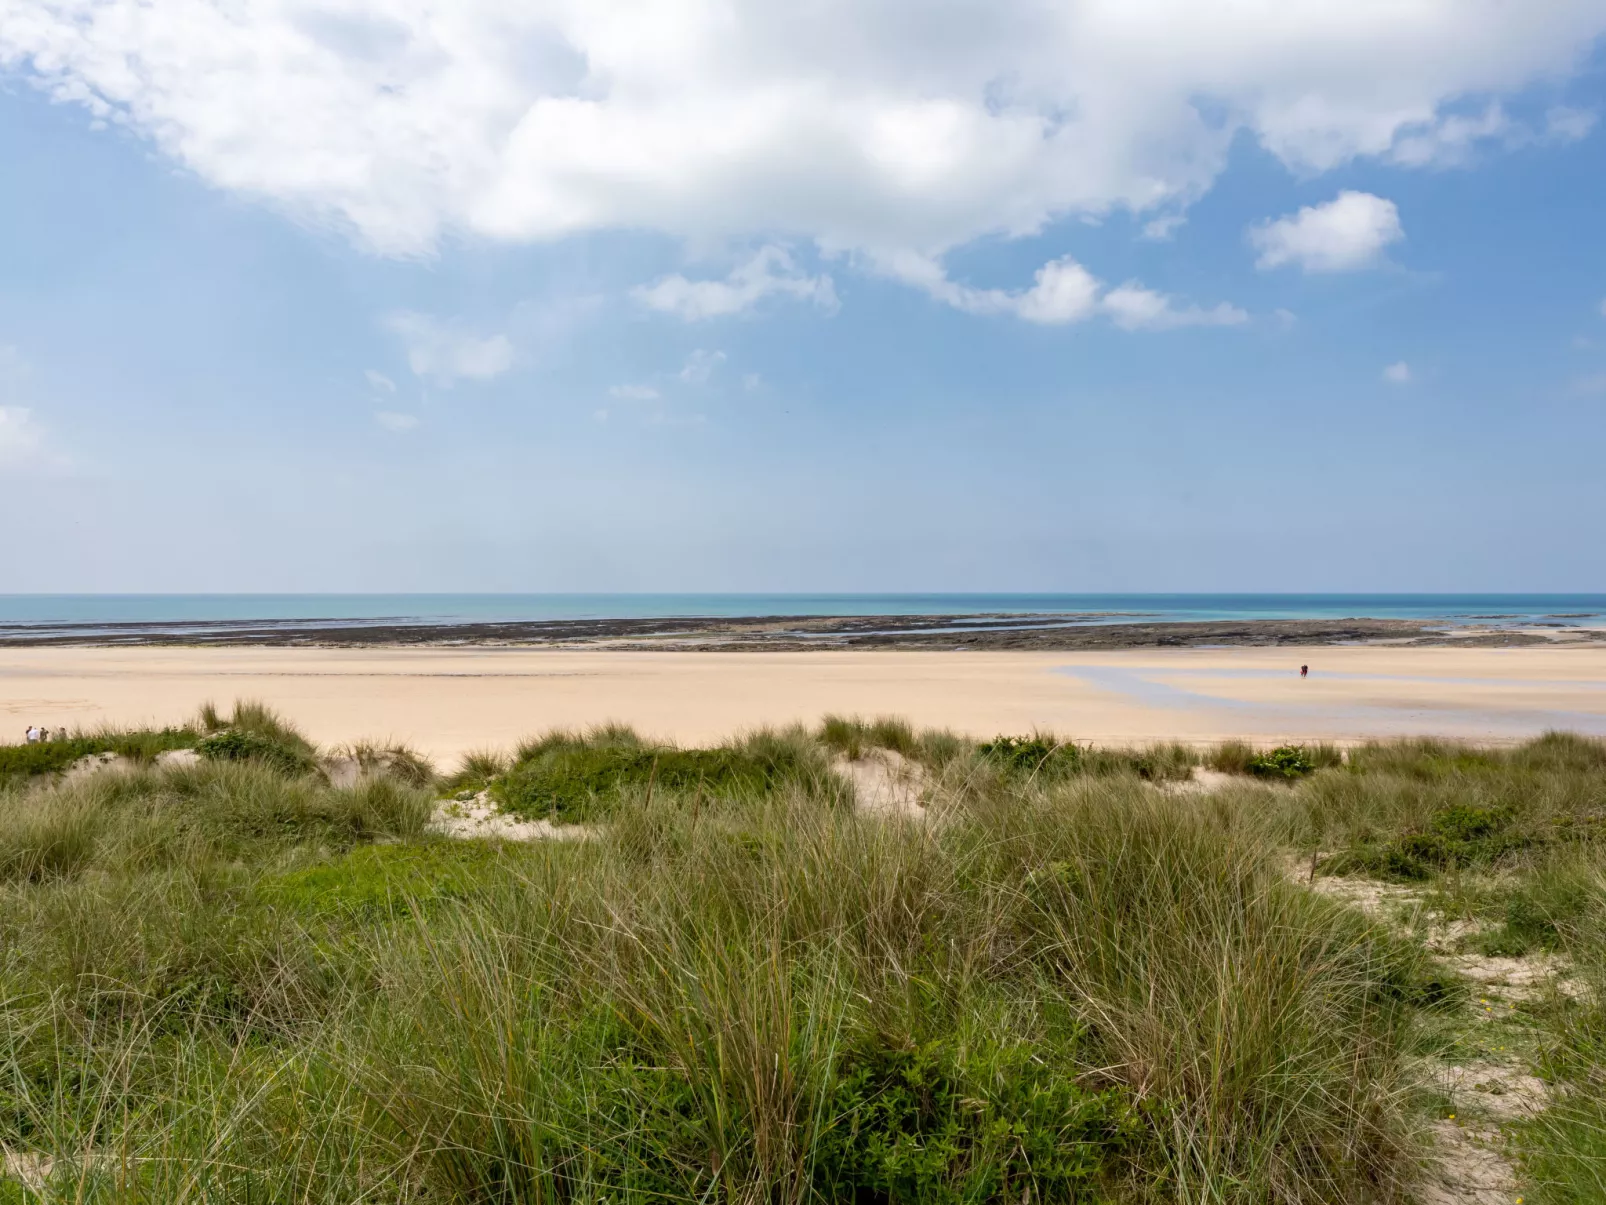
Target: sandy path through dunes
{"type": "Point", "coordinates": [445, 701]}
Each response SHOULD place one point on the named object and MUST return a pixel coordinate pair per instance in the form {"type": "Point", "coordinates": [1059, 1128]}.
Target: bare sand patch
{"type": "Point", "coordinates": [885, 783]}
{"type": "Point", "coordinates": [1471, 1167]}
{"type": "Point", "coordinates": [480, 819]}
{"type": "Point", "coordinates": [446, 701]}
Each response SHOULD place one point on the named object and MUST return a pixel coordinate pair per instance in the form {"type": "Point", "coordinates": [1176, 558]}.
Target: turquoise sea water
{"type": "Point", "coordinates": [96, 610]}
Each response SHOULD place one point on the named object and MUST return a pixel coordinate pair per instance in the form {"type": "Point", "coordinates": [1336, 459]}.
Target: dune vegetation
{"type": "Point", "coordinates": [258, 971]}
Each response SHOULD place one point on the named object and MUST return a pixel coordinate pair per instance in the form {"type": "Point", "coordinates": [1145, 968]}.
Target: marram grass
{"type": "Point", "coordinates": [234, 982]}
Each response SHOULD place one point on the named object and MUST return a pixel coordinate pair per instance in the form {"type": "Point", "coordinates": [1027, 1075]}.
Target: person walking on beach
{"type": "Point", "coordinates": [33, 734]}
{"type": "Point", "coordinates": [1304, 671]}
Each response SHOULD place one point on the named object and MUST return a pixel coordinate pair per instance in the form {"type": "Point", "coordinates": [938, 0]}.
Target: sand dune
{"type": "Point", "coordinates": [447, 701]}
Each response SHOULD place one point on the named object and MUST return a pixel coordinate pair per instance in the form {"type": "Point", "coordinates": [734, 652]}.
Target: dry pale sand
{"type": "Point", "coordinates": [445, 701]}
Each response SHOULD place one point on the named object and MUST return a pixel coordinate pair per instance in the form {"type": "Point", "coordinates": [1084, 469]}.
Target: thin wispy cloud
{"type": "Point", "coordinates": [634, 393]}
{"type": "Point", "coordinates": [392, 420]}
{"type": "Point", "coordinates": [446, 353]}
{"type": "Point", "coordinates": [700, 366]}
{"type": "Point", "coordinates": [1134, 308]}
{"type": "Point", "coordinates": [769, 273]}
{"type": "Point", "coordinates": [21, 439]}
{"type": "Point", "coordinates": [1398, 373]}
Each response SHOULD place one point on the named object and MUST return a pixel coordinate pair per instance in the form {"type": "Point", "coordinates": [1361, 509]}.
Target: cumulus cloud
{"type": "Point", "coordinates": [393, 421]}
{"type": "Point", "coordinates": [445, 354]}
{"type": "Point", "coordinates": [20, 437]}
{"type": "Point", "coordinates": [700, 365]}
{"type": "Point", "coordinates": [769, 273]}
{"type": "Point", "coordinates": [859, 124]}
{"type": "Point", "coordinates": [1347, 233]}
{"type": "Point", "coordinates": [1063, 291]}
{"type": "Point", "coordinates": [1398, 373]}
{"type": "Point", "coordinates": [634, 393]}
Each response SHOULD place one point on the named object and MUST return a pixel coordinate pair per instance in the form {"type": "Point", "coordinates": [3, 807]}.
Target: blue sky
{"type": "Point", "coordinates": [888, 297]}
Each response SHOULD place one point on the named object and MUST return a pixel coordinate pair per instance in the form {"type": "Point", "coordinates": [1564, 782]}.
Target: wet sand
{"type": "Point", "coordinates": [446, 701]}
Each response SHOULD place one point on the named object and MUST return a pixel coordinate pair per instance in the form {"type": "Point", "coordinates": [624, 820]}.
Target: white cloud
{"type": "Point", "coordinates": [700, 366]}
{"type": "Point", "coordinates": [1563, 124]}
{"type": "Point", "coordinates": [379, 380]}
{"type": "Point", "coordinates": [1062, 292]}
{"type": "Point", "coordinates": [769, 273]}
{"type": "Point", "coordinates": [13, 366]}
{"type": "Point", "coordinates": [1451, 141]}
{"type": "Point", "coordinates": [634, 393]}
{"type": "Point", "coordinates": [1590, 385]}
{"type": "Point", "coordinates": [1454, 140]}
{"type": "Point", "coordinates": [20, 437]}
{"type": "Point", "coordinates": [1398, 374]}
{"type": "Point", "coordinates": [1347, 233]}
{"type": "Point", "coordinates": [1132, 307]}
{"type": "Point", "coordinates": [871, 126]}
{"type": "Point", "coordinates": [751, 380]}
{"type": "Point", "coordinates": [1162, 228]}
{"type": "Point", "coordinates": [445, 353]}
{"type": "Point", "coordinates": [392, 421]}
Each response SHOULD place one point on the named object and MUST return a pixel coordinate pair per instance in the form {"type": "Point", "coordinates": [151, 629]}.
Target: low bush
{"type": "Point", "coordinates": [573, 780]}
{"type": "Point", "coordinates": [1031, 755]}
{"type": "Point", "coordinates": [1285, 761]}
{"type": "Point", "coordinates": [948, 1123]}
{"type": "Point", "coordinates": [238, 744]}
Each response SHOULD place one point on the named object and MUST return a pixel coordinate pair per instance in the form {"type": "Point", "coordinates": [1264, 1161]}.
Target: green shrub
{"type": "Point", "coordinates": [573, 782]}
{"type": "Point", "coordinates": [1038, 755]}
{"type": "Point", "coordinates": [1285, 761]}
{"type": "Point", "coordinates": [948, 1123]}
{"type": "Point", "coordinates": [1457, 836]}
{"type": "Point", "coordinates": [239, 744]}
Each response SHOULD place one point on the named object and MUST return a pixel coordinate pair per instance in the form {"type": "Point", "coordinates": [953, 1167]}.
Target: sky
{"type": "Point", "coordinates": [847, 295]}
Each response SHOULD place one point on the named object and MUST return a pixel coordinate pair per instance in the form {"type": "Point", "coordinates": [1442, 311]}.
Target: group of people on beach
{"type": "Point", "coordinates": [37, 734]}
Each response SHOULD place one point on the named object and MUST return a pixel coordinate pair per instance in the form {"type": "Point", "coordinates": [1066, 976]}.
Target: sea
{"type": "Point", "coordinates": [128, 613]}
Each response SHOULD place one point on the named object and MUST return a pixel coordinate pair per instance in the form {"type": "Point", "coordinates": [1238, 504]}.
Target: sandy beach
{"type": "Point", "coordinates": [447, 701]}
